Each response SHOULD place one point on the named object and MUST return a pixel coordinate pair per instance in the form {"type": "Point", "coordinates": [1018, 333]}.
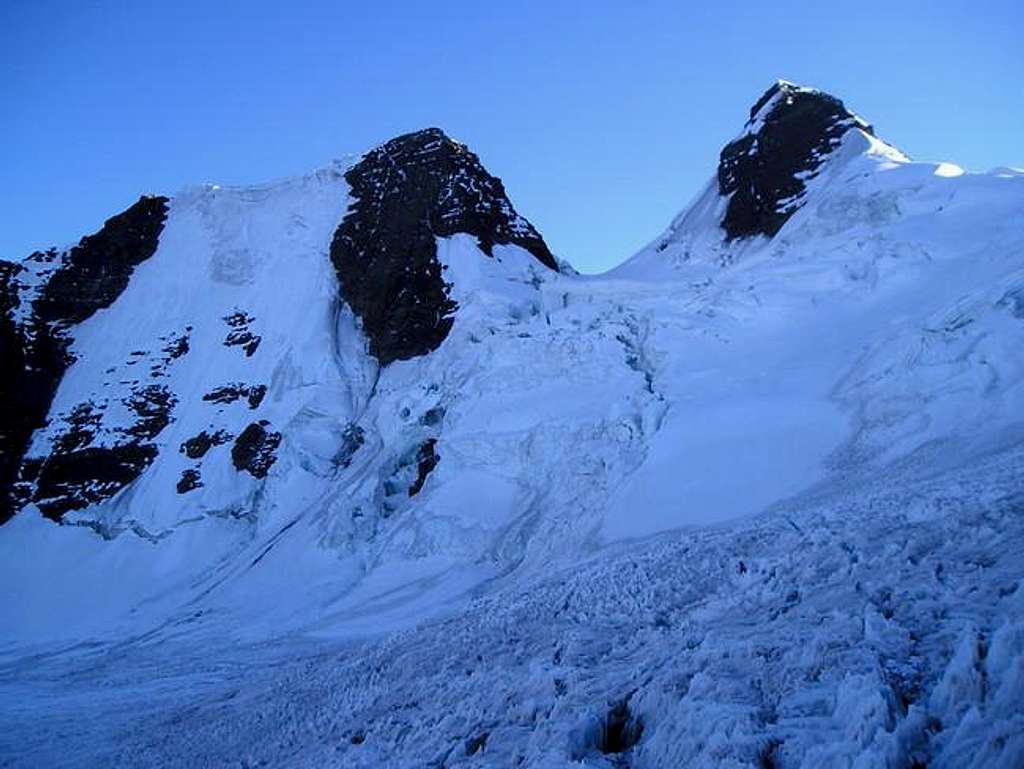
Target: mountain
{"type": "Point", "coordinates": [350, 470]}
{"type": "Point", "coordinates": [98, 433]}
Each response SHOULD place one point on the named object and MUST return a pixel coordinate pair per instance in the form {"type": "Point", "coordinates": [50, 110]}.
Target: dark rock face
{"type": "Point", "coordinates": [254, 449]}
{"type": "Point", "coordinates": [34, 354]}
{"type": "Point", "coordinates": [432, 417]}
{"type": "Point", "coordinates": [426, 461]}
{"type": "Point", "coordinates": [81, 470]}
{"type": "Point", "coordinates": [188, 481]}
{"type": "Point", "coordinates": [83, 423]}
{"type": "Point", "coordinates": [152, 405]}
{"type": "Point", "coordinates": [22, 403]}
{"type": "Point", "coordinates": [351, 441]}
{"type": "Point", "coordinates": [408, 192]}
{"type": "Point", "coordinates": [197, 446]}
{"type": "Point", "coordinates": [77, 479]}
{"type": "Point", "coordinates": [97, 270]}
{"type": "Point", "coordinates": [230, 393]}
{"type": "Point", "coordinates": [176, 347]}
{"type": "Point", "coordinates": [240, 334]}
{"type": "Point", "coordinates": [789, 135]}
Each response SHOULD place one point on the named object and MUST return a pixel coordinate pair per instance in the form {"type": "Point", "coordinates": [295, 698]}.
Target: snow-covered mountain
{"type": "Point", "coordinates": [750, 499]}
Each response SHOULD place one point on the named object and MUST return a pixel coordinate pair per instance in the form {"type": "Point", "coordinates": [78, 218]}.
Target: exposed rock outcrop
{"type": "Point", "coordinates": [38, 308]}
{"type": "Point", "coordinates": [408, 192]}
{"type": "Point", "coordinates": [255, 449]}
{"type": "Point", "coordinates": [189, 481]}
{"type": "Point", "coordinates": [790, 134]}
{"type": "Point", "coordinates": [230, 393]}
{"type": "Point", "coordinates": [426, 460]}
{"type": "Point", "coordinates": [197, 446]}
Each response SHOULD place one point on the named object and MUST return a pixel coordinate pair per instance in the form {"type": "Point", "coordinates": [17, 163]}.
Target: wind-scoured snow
{"type": "Point", "coordinates": [753, 503]}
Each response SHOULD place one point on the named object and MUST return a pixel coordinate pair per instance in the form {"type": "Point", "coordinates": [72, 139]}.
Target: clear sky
{"type": "Point", "coordinates": [602, 118]}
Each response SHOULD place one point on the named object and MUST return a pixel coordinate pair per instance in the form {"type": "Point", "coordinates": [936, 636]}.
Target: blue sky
{"type": "Point", "coordinates": [603, 119]}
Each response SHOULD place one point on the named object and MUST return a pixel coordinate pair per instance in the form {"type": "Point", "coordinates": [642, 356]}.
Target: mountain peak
{"type": "Point", "coordinates": [778, 87]}
{"type": "Point", "coordinates": [431, 141]}
{"type": "Point", "coordinates": [406, 193]}
{"type": "Point", "coordinates": [784, 95]}
{"type": "Point", "coordinates": [791, 132]}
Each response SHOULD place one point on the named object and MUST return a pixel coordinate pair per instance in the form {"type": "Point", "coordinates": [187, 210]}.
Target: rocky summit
{"type": "Point", "coordinates": [790, 134]}
{"type": "Point", "coordinates": [406, 194]}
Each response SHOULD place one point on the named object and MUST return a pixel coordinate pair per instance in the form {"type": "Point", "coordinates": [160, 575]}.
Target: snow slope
{"type": "Point", "coordinates": [739, 502]}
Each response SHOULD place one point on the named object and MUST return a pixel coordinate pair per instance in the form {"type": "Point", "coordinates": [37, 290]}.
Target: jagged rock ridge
{"type": "Point", "coordinates": [40, 302]}
{"type": "Point", "coordinates": [789, 135]}
{"type": "Point", "coordinates": [408, 192]}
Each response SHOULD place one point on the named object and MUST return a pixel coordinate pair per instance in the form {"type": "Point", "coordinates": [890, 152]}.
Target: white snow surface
{"type": "Point", "coordinates": [729, 505]}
